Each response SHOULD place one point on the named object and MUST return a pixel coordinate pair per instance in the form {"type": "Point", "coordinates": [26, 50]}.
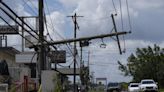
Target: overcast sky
{"type": "Point", "coordinates": [146, 21]}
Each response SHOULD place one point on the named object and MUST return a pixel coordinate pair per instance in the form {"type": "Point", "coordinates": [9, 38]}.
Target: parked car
{"type": "Point", "coordinates": [133, 87]}
{"type": "Point", "coordinates": [113, 87]}
{"type": "Point", "coordinates": [148, 85]}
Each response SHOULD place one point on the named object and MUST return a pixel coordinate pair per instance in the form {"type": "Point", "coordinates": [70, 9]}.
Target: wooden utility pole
{"type": "Point", "coordinates": [117, 38]}
{"type": "Point", "coordinates": [41, 63]}
{"type": "Point", "coordinates": [74, 18]}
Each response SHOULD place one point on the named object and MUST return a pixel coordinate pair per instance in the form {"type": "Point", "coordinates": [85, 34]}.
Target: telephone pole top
{"type": "Point", "coordinates": [74, 18]}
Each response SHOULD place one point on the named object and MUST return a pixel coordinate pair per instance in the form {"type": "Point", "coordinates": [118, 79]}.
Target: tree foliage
{"type": "Point", "coordinates": [146, 63]}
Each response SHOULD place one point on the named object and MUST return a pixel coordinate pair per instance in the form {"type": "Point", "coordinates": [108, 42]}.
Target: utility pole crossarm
{"type": "Point", "coordinates": [74, 18]}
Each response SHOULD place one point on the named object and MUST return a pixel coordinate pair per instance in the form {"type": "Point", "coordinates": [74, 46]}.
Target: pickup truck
{"type": "Point", "coordinates": [148, 85]}
{"type": "Point", "coordinates": [114, 87]}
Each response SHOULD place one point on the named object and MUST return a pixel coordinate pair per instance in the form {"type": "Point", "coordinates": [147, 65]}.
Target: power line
{"type": "Point", "coordinates": [32, 4]}
{"type": "Point", "coordinates": [53, 29]}
{"type": "Point", "coordinates": [30, 7]}
{"type": "Point", "coordinates": [8, 14]}
{"type": "Point", "coordinates": [97, 19]}
{"type": "Point", "coordinates": [52, 24]}
{"type": "Point", "coordinates": [14, 19]}
{"type": "Point", "coordinates": [33, 57]}
{"type": "Point", "coordinates": [16, 30]}
{"type": "Point", "coordinates": [103, 64]}
{"type": "Point", "coordinates": [130, 25]}
{"type": "Point", "coordinates": [114, 6]}
{"type": "Point", "coordinates": [122, 23]}
{"type": "Point", "coordinates": [74, 18]}
{"type": "Point", "coordinates": [47, 27]}
{"type": "Point", "coordinates": [51, 37]}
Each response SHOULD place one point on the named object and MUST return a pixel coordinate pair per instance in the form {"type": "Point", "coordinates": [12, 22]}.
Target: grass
{"type": "Point", "coordinates": [94, 90]}
{"type": "Point", "coordinates": [161, 90]}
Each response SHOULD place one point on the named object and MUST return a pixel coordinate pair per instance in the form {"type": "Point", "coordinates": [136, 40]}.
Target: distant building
{"type": "Point", "coordinates": [16, 71]}
{"type": "Point", "coordinates": [8, 54]}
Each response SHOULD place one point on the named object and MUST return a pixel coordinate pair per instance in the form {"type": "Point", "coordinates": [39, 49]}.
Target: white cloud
{"type": "Point", "coordinates": [147, 4]}
{"type": "Point", "coordinates": [56, 25]}
{"type": "Point", "coordinates": [147, 28]}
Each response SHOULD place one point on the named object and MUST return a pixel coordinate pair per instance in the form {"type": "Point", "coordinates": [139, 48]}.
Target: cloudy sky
{"type": "Point", "coordinates": [146, 20]}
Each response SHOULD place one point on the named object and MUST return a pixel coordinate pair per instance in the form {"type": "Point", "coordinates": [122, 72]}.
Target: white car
{"type": "Point", "coordinates": [148, 85]}
{"type": "Point", "coordinates": [133, 87]}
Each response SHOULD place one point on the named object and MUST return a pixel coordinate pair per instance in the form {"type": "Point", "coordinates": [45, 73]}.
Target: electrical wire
{"type": "Point", "coordinates": [130, 25]}
{"type": "Point", "coordinates": [51, 37]}
{"type": "Point", "coordinates": [29, 7]}
{"type": "Point", "coordinates": [103, 64]}
{"type": "Point", "coordinates": [97, 19]}
{"type": "Point", "coordinates": [47, 27]}
{"type": "Point", "coordinates": [52, 24]}
{"type": "Point", "coordinates": [35, 12]}
{"type": "Point", "coordinates": [32, 4]}
{"type": "Point", "coordinates": [21, 21]}
{"type": "Point", "coordinates": [114, 6]}
{"type": "Point", "coordinates": [53, 29]}
{"type": "Point", "coordinates": [33, 57]}
{"type": "Point", "coordinates": [122, 23]}
{"type": "Point", "coordinates": [16, 30]}
{"type": "Point", "coordinates": [63, 66]}
{"type": "Point", "coordinates": [11, 17]}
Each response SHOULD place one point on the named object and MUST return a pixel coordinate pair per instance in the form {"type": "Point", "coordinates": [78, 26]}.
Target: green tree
{"type": "Point", "coordinates": [84, 76]}
{"type": "Point", "coordinates": [145, 63]}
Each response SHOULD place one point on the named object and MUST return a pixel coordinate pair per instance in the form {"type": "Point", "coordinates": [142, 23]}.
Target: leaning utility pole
{"type": "Point", "coordinates": [74, 18]}
{"type": "Point", "coordinates": [41, 62]}
{"type": "Point", "coordinates": [117, 38]}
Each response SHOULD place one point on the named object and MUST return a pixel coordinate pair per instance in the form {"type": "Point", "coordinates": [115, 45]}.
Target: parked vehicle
{"type": "Point", "coordinates": [113, 87]}
{"type": "Point", "coordinates": [133, 87]}
{"type": "Point", "coordinates": [148, 85]}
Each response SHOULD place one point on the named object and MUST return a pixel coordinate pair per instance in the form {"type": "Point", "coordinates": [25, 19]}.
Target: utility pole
{"type": "Point", "coordinates": [74, 18]}
{"type": "Point", "coordinates": [22, 34]}
{"type": "Point", "coordinates": [41, 62]}
{"type": "Point", "coordinates": [117, 38]}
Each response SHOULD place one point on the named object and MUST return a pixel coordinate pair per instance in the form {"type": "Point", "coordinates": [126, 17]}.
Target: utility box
{"type": "Point", "coordinates": [47, 79]}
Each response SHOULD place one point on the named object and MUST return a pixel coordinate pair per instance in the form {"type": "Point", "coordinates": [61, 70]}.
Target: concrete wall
{"type": "Point", "coordinates": [18, 73]}
{"type": "Point", "coordinates": [10, 58]}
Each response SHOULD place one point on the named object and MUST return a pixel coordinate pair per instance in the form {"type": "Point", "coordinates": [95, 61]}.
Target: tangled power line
{"type": "Point", "coordinates": [53, 26]}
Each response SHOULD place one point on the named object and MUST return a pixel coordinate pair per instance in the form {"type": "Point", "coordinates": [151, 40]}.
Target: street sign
{"type": "Point", "coordinates": [58, 56]}
{"type": "Point", "coordinates": [69, 71]}
{"type": "Point", "coordinates": [26, 57]}
{"type": "Point", "coordinates": [4, 29]}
